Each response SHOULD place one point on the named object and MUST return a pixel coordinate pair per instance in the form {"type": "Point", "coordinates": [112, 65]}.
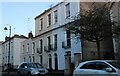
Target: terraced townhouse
{"type": "Point", "coordinates": [52, 41]}
{"type": "Point", "coordinates": [14, 51]}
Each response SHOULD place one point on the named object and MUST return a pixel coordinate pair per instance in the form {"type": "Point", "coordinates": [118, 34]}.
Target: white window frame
{"type": "Point", "coordinates": [40, 59]}
{"type": "Point", "coordinates": [33, 58]}
{"type": "Point", "coordinates": [41, 24]}
{"type": "Point", "coordinates": [48, 43]}
{"type": "Point", "coordinates": [55, 16]}
{"type": "Point", "coordinates": [33, 47]}
{"type": "Point", "coordinates": [67, 11]}
{"type": "Point", "coordinates": [49, 21]}
{"type": "Point", "coordinates": [23, 48]}
{"type": "Point", "coordinates": [28, 47]}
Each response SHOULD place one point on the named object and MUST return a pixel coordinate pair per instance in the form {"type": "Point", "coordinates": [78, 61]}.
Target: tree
{"type": "Point", "coordinates": [93, 24]}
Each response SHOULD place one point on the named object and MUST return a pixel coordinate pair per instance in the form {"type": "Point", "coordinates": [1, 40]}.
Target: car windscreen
{"type": "Point", "coordinates": [115, 64]}
{"type": "Point", "coordinates": [35, 65]}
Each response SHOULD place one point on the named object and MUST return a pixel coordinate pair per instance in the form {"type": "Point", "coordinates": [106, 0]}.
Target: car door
{"type": "Point", "coordinates": [96, 69]}
{"type": "Point", "coordinates": [88, 69]}
{"type": "Point", "coordinates": [22, 69]}
{"type": "Point", "coordinates": [101, 69]}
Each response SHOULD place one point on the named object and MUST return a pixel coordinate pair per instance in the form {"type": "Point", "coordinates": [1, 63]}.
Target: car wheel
{"type": "Point", "coordinates": [18, 74]}
{"type": "Point", "coordinates": [29, 74]}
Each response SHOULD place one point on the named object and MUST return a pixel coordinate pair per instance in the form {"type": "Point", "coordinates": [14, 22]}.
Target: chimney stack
{"type": "Point", "coordinates": [7, 38]}
{"type": "Point", "coordinates": [30, 35]}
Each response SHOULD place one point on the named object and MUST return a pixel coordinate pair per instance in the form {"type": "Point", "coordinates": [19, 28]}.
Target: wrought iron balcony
{"type": "Point", "coordinates": [48, 48]}
{"type": "Point", "coordinates": [66, 45]}
{"type": "Point", "coordinates": [39, 50]}
{"type": "Point", "coordinates": [55, 47]}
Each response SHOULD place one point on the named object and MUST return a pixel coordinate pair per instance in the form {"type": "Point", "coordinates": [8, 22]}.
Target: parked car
{"type": "Point", "coordinates": [96, 68]}
{"type": "Point", "coordinates": [31, 69]}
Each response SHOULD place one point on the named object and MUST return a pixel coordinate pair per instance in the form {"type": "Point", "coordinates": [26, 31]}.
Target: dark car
{"type": "Point", "coordinates": [31, 69]}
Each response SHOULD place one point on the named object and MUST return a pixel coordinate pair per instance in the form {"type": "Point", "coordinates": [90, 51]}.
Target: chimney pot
{"type": "Point", "coordinates": [30, 35]}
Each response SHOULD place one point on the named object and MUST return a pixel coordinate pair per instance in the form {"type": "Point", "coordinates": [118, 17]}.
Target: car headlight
{"type": "Point", "coordinates": [33, 72]}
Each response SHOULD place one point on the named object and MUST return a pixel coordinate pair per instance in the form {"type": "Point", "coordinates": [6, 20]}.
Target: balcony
{"type": "Point", "coordinates": [66, 45]}
{"type": "Point", "coordinates": [39, 50]}
{"type": "Point", "coordinates": [48, 48]}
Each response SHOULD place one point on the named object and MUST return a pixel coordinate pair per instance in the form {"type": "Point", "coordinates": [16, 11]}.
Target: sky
{"type": "Point", "coordinates": [20, 16]}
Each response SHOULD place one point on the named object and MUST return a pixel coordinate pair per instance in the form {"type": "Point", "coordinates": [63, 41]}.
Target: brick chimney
{"type": "Point", "coordinates": [30, 35]}
{"type": "Point", "coordinates": [6, 38]}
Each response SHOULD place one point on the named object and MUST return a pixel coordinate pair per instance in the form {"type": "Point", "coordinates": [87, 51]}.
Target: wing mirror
{"type": "Point", "coordinates": [108, 69]}
{"type": "Point", "coordinates": [25, 67]}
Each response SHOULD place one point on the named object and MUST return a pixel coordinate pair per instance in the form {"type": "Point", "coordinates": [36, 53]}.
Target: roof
{"type": "Point", "coordinates": [16, 36]}
{"type": "Point", "coordinates": [1, 42]}
{"type": "Point", "coordinates": [48, 10]}
{"type": "Point", "coordinates": [100, 61]}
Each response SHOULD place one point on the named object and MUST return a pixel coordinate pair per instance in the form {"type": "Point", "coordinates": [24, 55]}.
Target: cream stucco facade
{"type": "Point", "coordinates": [15, 48]}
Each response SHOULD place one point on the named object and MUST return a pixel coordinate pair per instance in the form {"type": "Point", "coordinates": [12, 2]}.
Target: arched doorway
{"type": "Point", "coordinates": [50, 62]}
{"type": "Point", "coordinates": [56, 61]}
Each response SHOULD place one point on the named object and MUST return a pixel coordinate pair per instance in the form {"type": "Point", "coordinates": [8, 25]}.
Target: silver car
{"type": "Point", "coordinates": [96, 68]}
{"type": "Point", "coordinates": [31, 69]}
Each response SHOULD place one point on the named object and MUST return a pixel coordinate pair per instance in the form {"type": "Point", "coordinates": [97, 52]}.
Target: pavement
{"type": "Point", "coordinates": [0, 70]}
{"type": "Point", "coordinates": [51, 73]}
{"type": "Point", "coordinates": [10, 74]}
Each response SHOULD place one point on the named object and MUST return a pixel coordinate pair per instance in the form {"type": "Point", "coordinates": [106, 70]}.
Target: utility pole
{"type": "Point", "coordinates": [9, 48]}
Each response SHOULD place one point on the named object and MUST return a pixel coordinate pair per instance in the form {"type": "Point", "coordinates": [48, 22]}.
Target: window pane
{"type": "Point", "coordinates": [55, 42]}
{"type": "Point", "coordinates": [68, 39]}
{"type": "Point", "coordinates": [101, 66]}
{"type": "Point", "coordinates": [41, 45]}
{"type": "Point", "coordinates": [49, 19]}
{"type": "Point", "coordinates": [55, 16]}
{"type": "Point", "coordinates": [41, 23]}
{"type": "Point", "coordinates": [88, 66]}
{"type": "Point", "coordinates": [95, 65]}
{"type": "Point", "coordinates": [68, 10]}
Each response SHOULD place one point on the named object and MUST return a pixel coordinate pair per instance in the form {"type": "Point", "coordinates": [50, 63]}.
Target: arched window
{"type": "Point", "coordinates": [56, 61]}
{"type": "Point", "coordinates": [30, 58]}
{"type": "Point", "coordinates": [50, 62]}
